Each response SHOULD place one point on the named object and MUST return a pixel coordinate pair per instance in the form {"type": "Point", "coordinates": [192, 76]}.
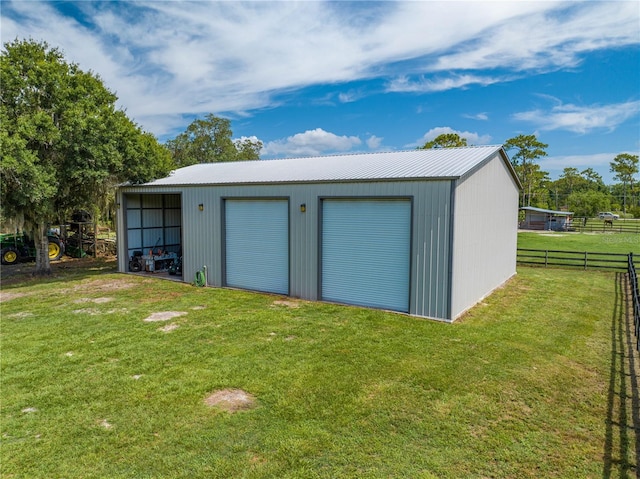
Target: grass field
{"type": "Point", "coordinates": [596, 242]}
{"type": "Point", "coordinates": [529, 384]}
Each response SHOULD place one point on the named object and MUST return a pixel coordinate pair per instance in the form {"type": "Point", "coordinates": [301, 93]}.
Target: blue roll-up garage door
{"type": "Point", "coordinates": [257, 245]}
{"type": "Point", "coordinates": [366, 252]}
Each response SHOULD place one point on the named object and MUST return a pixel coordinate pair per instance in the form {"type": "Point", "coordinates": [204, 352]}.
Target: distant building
{"type": "Point", "coordinates": [404, 231]}
{"type": "Point", "coordinates": [541, 219]}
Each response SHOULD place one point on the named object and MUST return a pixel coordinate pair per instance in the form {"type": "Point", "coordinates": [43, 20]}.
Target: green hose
{"type": "Point", "coordinates": [201, 279]}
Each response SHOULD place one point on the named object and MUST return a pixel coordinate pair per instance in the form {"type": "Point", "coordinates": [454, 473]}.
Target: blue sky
{"type": "Point", "coordinates": [312, 78]}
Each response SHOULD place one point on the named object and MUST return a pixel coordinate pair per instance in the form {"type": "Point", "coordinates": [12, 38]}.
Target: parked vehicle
{"type": "Point", "coordinates": [19, 247]}
{"type": "Point", "coordinates": [608, 215]}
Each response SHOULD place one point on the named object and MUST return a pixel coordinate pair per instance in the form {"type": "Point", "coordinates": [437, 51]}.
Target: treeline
{"type": "Point", "coordinates": [64, 146]}
{"type": "Point", "coordinates": [582, 192]}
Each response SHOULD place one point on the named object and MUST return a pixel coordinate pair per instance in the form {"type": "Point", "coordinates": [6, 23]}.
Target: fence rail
{"type": "Point", "coordinates": [585, 259]}
{"type": "Point", "coordinates": [576, 259]}
{"type": "Point", "coordinates": [618, 226]}
{"type": "Point", "coordinates": [635, 296]}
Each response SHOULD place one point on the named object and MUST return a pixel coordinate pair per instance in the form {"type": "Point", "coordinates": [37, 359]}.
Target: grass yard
{"type": "Point", "coordinates": [592, 242]}
{"type": "Point", "coordinates": [532, 383]}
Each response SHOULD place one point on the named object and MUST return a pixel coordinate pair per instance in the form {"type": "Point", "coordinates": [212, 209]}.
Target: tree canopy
{"type": "Point", "coordinates": [528, 149]}
{"type": "Point", "coordinates": [625, 167]}
{"type": "Point", "coordinates": [209, 140]}
{"type": "Point", "coordinates": [63, 143]}
{"type": "Point", "coordinates": [446, 140]}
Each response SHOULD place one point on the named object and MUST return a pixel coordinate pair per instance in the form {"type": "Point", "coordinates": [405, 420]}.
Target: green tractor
{"type": "Point", "coordinates": [19, 247]}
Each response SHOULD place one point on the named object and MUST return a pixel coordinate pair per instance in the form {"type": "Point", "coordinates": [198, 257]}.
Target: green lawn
{"type": "Point", "coordinates": [525, 385]}
{"type": "Point", "coordinates": [570, 241]}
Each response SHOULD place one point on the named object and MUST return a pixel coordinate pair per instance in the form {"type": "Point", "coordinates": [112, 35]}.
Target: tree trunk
{"type": "Point", "coordinates": [43, 265]}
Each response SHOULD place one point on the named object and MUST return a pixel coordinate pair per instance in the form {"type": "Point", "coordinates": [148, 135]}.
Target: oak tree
{"type": "Point", "coordinates": [209, 140]}
{"type": "Point", "coordinates": [445, 140]}
{"type": "Point", "coordinates": [63, 143]}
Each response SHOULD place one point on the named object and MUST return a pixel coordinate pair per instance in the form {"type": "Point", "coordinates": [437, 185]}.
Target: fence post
{"type": "Point", "coordinates": [546, 257]}
{"type": "Point", "coordinates": [635, 299]}
{"type": "Point", "coordinates": [585, 260]}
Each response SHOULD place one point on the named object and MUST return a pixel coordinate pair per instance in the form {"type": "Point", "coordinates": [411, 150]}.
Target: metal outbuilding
{"type": "Point", "coordinates": [543, 219]}
{"type": "Point", "coordinates": [425, 232]}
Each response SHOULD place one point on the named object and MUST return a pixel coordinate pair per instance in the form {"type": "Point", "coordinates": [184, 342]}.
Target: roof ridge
{"type": "Point", "coordinates": [439, 163]}
{"type": "Point", "coordinates": [368, 153]}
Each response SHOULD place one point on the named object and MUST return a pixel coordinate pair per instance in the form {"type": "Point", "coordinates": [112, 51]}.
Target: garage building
{"type": "Point", "coordinates": [424, 232]}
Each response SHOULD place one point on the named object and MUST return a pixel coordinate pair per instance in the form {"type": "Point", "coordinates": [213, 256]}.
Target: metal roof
{"type": "Point", "coordinates": [446, 163]}
{"type": "Point", "coordinates": [551, 212]}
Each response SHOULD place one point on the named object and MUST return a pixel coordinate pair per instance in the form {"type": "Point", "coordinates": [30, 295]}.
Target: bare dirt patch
{"type": "Point", "coordinates": [164, 316]}
{"type": "Point", "coordinates": [7, 295]}
{"type": "Point", "coordinates": [169, 327]}
{"type": "Point", "coordinates": [104, 285]}
{"type": "Point", "coordinates": [231, 400]}
{"type": "Point", "coordinates": [20, 315]}
{"type": "Point", "coordinates": [93, 300]}
{"type": "Point", "coordinates": [98, 312]}
{"type": "Point", "coordinates": [287, 303]}
{"type": "Point", "coordinates": [105, 424]}
{"type": "Point", "coordinates": [23, 272]}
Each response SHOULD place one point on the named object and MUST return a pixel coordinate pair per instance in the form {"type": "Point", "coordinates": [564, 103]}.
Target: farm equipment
{"type": "Point", "coordinates": [15, 247]}
{"type": "Point", "coordinates": [154, 262]}
{"type": "Point", "coordinates": [176, 267]}
{"type": "Point", "coordinates": [85, 238]}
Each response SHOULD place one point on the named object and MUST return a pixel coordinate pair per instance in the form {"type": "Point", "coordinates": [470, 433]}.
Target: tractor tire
{"type": "Point", "coordinates": [55, 249]}
{"type": "Point", "coordinates": [9, 255]}
{"type": "Point", "coordinates": [135, 266]}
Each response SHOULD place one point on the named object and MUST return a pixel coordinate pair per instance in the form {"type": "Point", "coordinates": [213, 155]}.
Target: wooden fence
{"type": "Point", "coordinates": [589, 225]}
{"type": "Point", "coordinates": [594, 260]}
{"type": "Point", "coordinates": [577, 259]}
{"type": "Point", "coordinates": [635, 297]}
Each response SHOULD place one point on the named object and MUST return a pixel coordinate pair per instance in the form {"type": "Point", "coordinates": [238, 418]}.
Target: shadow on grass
{"type": "Point", "coordinates": [68, 269]}
{"type": "Point", "coordinates": [622, 439]}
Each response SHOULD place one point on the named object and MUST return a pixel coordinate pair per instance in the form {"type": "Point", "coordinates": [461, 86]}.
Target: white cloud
{"type": "Point", "coordinates": [310, 143]}
{"type": "Point", "coordinates": [477, 116]}
{"type": "Point", "coordinates": [166, 59]}
{"type": "Point", "coordinates": [580, 161]}
{"type": "Point", "coordinates": [580, 119]}
{"type": "Point", "coordinates": [242, 139]}
{"type": "Point", "coordinates": [350, 96]}
{"type": "Point", "coordinates": [427, 85]}
{"type": "Point", "coordinates": [374, 142]}
{"type": "Point", "coordinates": [600, 162]}
{"type": "Point", "coordinates": [472, 138]}
{"type": "Point", "coordinates": [550, 38]}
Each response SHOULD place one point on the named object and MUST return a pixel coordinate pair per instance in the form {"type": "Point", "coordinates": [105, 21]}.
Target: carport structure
{"type": "Point", "coordinates": [404, 231]}
{"type": "Point", "coordinates": [543, 219]}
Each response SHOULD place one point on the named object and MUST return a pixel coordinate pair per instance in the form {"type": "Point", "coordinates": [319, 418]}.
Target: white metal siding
{"type": "Point", "coordinates": [257, 245]}
{"type": "Point", "coordinates": [485, 234]}
{"type": "Point", "coordinates": [366, 252]}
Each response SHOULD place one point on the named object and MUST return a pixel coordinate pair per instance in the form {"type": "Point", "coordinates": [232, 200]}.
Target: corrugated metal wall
{"type": "Point", "coordinates": [431, 249]}
{"type": "Point", "coordinates": [485, 234]}
{"type": "Point", "coordinates": [202, 232]}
